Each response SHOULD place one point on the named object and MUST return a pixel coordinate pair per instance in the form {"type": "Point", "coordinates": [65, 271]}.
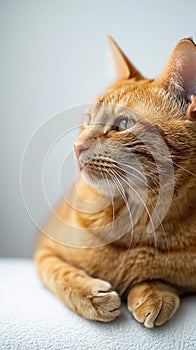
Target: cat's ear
{"type": "Point", "coordinates": [123, 68]}
{"type": "Point", "coordinates": [191, 112]}
{"type": "Point", "coordinates": [179, 73]}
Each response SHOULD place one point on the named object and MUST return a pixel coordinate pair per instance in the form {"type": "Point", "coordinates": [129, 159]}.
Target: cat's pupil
{"type": "Point", "coordinates": [121, 124]}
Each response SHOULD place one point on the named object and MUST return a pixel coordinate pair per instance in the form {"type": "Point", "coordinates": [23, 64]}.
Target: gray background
{"type": "Point", "coordinates": [53, 57]}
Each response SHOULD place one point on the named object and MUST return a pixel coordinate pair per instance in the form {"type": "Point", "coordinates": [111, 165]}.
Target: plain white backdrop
{"type": "Point", "coordinates": [53, 56]}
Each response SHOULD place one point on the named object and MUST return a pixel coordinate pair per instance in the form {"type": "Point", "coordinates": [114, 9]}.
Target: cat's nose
{"type": "Point", "coordinates": [80, 147]}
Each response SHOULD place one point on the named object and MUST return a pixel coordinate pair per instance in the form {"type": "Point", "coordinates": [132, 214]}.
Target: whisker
{"type": "Point", "coordinates": [112, 200]}
{"type": "Point", "coordinates": [114, 164]}
{"type": "Point", "coordinates": [122, 192]}
{"type": "Point", "coordinates": [145, 206]}
{"type": "Point", "coordinates": [166, 239]}
{"type": "Point", "coordinates": [109, 167]}
{"type": "Point", "coordinates": [156, 181]}
{"type": "Point", "coordinates": [179, 166]}
{"type": "Point", "coordinates": [131, 144]}
{"type": "Point", "coordinates": [147, 185]}
{"type": "Point", "coordinates": [135, 169]}
{"type": "Point", "coordinates": [135, 176]}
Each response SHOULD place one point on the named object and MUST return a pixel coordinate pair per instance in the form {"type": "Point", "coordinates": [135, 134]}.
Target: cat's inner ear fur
{"type": "Point", "coordinates": [124, 69]}
{"type": "Point", "coordinates": [179, 74]}
{"type": "Point", "coordinates": [191, 112]}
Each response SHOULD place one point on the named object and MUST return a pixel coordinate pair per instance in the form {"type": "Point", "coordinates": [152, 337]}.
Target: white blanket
{"type": "Point", "coordinates": [33, 318]}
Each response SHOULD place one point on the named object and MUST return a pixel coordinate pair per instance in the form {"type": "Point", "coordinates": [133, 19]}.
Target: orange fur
{"type": "Point", "coordinates": [151, 276]}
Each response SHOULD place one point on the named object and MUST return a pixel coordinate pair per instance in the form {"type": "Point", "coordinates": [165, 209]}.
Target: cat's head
{"type": "Point", "coordinates": [140, 129]}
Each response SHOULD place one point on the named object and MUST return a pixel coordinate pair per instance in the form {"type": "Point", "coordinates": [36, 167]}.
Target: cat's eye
{"type": "Point", "coordinates": [121, 124]}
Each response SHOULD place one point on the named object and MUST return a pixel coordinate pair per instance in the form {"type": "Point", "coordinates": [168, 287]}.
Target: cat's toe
{"type": "Point", "coordinates": [155, 308]}
{"type": "Point", "coordinates": [170, 304]}
{"type": "Point", "coordinates": [105, 302]}
{"type": "Point", "coordinates": [107, 305]}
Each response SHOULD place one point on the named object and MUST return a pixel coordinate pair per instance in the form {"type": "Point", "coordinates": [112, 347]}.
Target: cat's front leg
{"type": "Point", "coordinates": [90, 297]}
{"type": "Point", "coordinates": [153, 303]}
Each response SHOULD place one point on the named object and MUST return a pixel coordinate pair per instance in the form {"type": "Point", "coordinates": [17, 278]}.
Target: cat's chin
{"type": "Point", "coordinates": [95, 182]}
{"type": "Point", "coordinates": [104, 187]}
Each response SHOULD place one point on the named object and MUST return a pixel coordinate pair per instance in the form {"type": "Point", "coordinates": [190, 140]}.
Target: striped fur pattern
{"type": "Point", "coordinates": [150, 270]}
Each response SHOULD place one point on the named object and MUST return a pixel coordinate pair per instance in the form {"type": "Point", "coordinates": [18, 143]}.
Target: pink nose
{"type": "Point", "coordinates": [79, 148]}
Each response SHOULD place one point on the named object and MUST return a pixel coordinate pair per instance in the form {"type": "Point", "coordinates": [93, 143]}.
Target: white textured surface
{"type": "Point", "coordinates": [32, 318]}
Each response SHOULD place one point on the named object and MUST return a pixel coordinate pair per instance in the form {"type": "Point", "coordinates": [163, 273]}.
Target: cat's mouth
{"type": "Point", "coordinates": [100, 170]}
{"type": "Point", "coordinates": [94, 171]}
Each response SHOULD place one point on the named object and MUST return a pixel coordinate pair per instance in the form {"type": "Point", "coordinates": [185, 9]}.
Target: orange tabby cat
{"type": "Point", "coordinates": [142, 123]}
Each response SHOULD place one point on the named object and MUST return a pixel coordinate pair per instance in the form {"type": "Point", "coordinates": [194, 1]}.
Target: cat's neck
{"type": "Point", "coordinates": [177, 219]}
{"type": "Point", "coordinates": [177, 227]}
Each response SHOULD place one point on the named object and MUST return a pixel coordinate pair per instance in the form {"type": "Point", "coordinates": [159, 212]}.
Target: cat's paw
{"type": "Point", "coordinates": [100, 302]}
{"type": "Point", "coordinates": [152, 307]}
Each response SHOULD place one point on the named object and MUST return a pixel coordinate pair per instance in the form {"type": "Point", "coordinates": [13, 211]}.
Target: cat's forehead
{"type": "Point", "coordinates": [130, 98]}
{"type": "Point", "coordinates": [143, 102]}
{"type": "Point", "coordinates": [101, 111]}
